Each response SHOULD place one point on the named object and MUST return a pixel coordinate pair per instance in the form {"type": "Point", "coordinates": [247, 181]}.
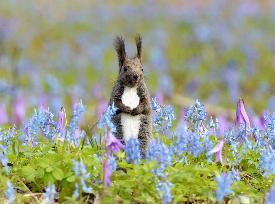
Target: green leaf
{"type": "Point", "coordinates": [58, 174]}
{"type": "Point", "coordinates": [71, 179]}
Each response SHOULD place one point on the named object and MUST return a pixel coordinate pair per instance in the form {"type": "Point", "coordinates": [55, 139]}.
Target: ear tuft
{"type": "Point", "coordinates": [120, 49]}
{"type": "Point", "coordinates": [139, 45]}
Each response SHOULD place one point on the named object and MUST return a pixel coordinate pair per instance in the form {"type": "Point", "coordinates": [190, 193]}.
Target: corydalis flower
{"type": "Point", "coordinates": [218, 150]}
{"type": "Point", "coordinates": [224, 182]}
{"type": "Point", "coordinates": [157, 151]}
{"type": "Point", "coordinates": [3, 158]}
{"type": "Point", "coordinates": [9, 193]}
{"type": "Point", "coordinates": [132, 150]}
{"type": "Point", "coordinates": [164, 190]}
{"type": "Point", "coordinates": [106, 118]}
{"type": "Point", "coordinates": [81, 173]}
{"type": "Point", "coordinates": [196, 114]}
{"type": "Point", "coordinates": [270, 196]}
{"type": "Point", "coordinates": [61, 120]}
{"type": "Point", "coordinates": [163, 116]}
{"type": "Point", "coordinates": [112, 143]}
{"type": "Point", "coordinates": [267, 162]}
{"type": "Point", "coordinates": [50, 194]}
{"type": "Point", "coordinates": [74, 123]}
{"type": "Point", "coordinates": [41, 122]}
{"type": "Point", "coordinates": [195, 147]}
{"type": "Point", "coordinates": [241, 115]}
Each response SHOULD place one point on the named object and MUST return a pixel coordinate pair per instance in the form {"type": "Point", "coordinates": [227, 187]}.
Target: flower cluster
{"type": "Point", "coordinates": [106, 118]}
{"type": "Point", "coordinates": [270, 196]}
{"type": "Point", "coordinates": [163, 116]}
{"type": "Point", "coordinates": [267, 162]}
{"type": "Point", "coordinates": [73, 134]}
{"type": "Point", "coordinates": [9, 193]}
{"type": "Point", "coordinates": [196, 114]}
{"type": "Point", "coordinates": [41, 122]}
{"type": "Point", "coordinates": [3, 158]}
{"type": "Point", "coordinates": [224, 182]}
{"type": "Point", "coordinates": [132, 150]}
{"type": "Point", "coordinates": [164, 190]}
{"type": "Point", "coordinates": [82, 175]}
{"type": "Point", "coordinates": [50, 194]}
{"type": "Point", "coordinates": [159, 152]}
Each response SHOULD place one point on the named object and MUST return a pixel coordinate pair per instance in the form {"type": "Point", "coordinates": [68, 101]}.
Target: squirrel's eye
{"type": "Point", "coordinates": [125, 69]}
{"type": "Point", "coordinates": [141, 69]}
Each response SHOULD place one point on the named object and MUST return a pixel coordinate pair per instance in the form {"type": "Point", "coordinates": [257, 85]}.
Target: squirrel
{"type": "Point", "coordinates": [131, 98]}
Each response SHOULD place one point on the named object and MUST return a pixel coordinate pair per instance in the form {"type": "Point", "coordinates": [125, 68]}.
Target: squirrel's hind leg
{"type": "Point", "coordinates": [144, 135]}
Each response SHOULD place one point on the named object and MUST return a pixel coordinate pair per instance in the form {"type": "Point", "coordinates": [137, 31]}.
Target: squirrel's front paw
{"type": "Point", "coordinates": [135, 111]}
{"type": "Point", "coordinates": [127, 109]}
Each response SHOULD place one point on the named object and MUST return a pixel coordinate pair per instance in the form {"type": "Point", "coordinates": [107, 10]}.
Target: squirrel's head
{"type": "Point", "coordinates": [130, 69]}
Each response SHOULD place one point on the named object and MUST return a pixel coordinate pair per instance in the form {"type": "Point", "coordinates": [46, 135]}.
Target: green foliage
{"type": "Point", "coordinates": [33, 168]}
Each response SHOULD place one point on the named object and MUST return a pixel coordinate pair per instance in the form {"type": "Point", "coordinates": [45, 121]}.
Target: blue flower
{"type": "Point", "coordinates": [195, 147]}
{"type": "Point", "coordinates": [162, 116]}
{"type": "Point", "coordinates": [3, 158]}
{"type": "Point", "coordinates": [76, 191]}
{"type": "Point", "coordinates": [74, 123]}
{"type": "Point", "coordinates": [159, 152]}
{"type": "Point", "coordinates": [196, 114]}
{"type": "Point", "coordinates": [207, 145]}
{"type": "Point", "coordinates": [112, 163]}
{"type": "Point", "coordinates": [106, 118]}
{"type": "Point", "coordinates": [235, 175]}
{"type": "Point", "coordinates": [164, 190]}
{"type": "Point", "coordinates": [182, 140]}
{"type": "Point", "coordinates": [267, 162]}
{"type": "Point", "coordinates": [81, 173]}
{"type": "Point", "coordinates": [224, 182]}
{"type": "Point", "coordinates": [41, 122]}
{"type": "Point", "coordinates": [9, 193]}
{"type": "Point", "coordinates": [50, 194]}
{"type": "Point", "coordinates": [270, 196]}
{"type": "Point", "coordinates": [132, 150]}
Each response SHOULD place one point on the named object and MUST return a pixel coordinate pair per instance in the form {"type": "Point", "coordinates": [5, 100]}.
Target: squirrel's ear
{"type": "Point", "coordinates": [120, 49]}
{"type": "Point", "coordinates": [139, 46]}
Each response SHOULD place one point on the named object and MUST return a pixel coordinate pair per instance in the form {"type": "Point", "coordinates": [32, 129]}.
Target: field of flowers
{"type": "Point", "coordinates": [57, 69]}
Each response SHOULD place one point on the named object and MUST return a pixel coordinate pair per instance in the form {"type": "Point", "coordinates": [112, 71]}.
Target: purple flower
{"type": "Point", "coordinates": [241, 115]}
{"type": "Point", "coordinates": [61, 120]}
{"type": "Point", "coordinates": [107, 172]}
{"type": "Point", "coordinates": [218, 150]}
{"type": "Point", "coordinates": [112, 143]}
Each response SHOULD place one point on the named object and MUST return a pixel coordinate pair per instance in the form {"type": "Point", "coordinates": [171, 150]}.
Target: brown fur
{"type": "Point", "coordinates": [131, 74]}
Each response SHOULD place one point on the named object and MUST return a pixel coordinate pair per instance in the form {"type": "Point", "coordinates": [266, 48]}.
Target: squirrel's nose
{"type": "Point", "coordinates": [135, 76]}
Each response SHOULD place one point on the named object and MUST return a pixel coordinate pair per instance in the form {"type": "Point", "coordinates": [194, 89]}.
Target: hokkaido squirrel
{"type": "Point", "coordinates": [131, 97]}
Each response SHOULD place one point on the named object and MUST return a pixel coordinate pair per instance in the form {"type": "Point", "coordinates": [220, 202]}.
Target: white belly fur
{"type": "Point", "coordinates": [130, 124]}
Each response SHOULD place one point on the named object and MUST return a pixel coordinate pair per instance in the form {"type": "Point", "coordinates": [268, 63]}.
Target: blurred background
{"type": "Point", "coordinates": [54, 53]}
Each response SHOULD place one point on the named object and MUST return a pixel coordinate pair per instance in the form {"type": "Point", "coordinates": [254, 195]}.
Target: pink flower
{"type": "Point", "coordinates": [241, 115]}
{"type": "Point", "coordinates": [3, 115]}
{"type": "Point", "coordinates": [259, 122]}
{"type": "Point", "coordinates": [223, 124]}
{"type": "Point", "coordinates": [61, 120]}
{"type": "Point", "coordinates": [218, 150]}
{"type": "Point", "coordinates": [107, 172]}
{"type": "Point", "coordinates": [18, 111]}
{"type": "Point", "coordinates": [112, 143]}
{"type": "Point", "coordinates": [102, 106]}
